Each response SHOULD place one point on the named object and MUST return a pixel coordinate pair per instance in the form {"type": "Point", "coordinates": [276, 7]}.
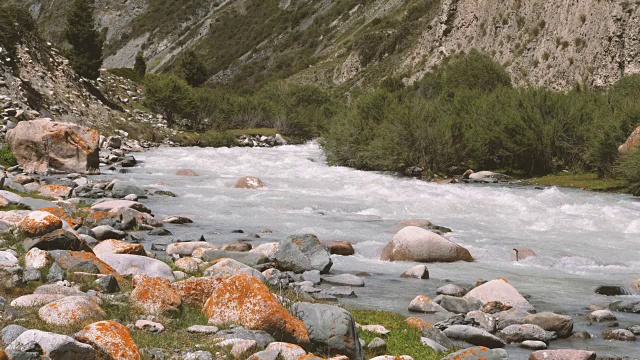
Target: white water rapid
{"type": "Point", "coordinates": [583, 239]}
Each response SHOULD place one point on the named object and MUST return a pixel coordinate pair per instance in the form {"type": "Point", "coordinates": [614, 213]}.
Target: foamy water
{"type": "Point", "coordinates": [583, 239]}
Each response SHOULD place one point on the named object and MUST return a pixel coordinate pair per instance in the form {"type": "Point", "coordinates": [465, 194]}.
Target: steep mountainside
{"type": "Point", "coordinates": [345, 43]}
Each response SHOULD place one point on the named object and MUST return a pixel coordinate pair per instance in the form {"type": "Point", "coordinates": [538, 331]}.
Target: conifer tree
{"type": "Point", "coordinates": [140, 65]}
{"type": "Point", "coordinates": [194, 72]}
{"type": "Point", "coordinates": [86, 42]}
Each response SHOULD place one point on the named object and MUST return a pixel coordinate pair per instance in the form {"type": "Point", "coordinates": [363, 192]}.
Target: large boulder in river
{"type": "Point", "coordinates": [42, 144]}
{"type": "Point", "coordinates": [330, 328]}
{"type": "Point", "coordinates": [632, 143]}
{"type": "Point", "coordinates": [300, 253]}
{"type": "Point", "coordinates": [500, 290]}
{"type": "Point", "coordinates": [417, 244]}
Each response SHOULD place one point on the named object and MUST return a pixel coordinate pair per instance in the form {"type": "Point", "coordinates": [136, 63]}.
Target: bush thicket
{"type": "Point", "coordinates": [15, 24]}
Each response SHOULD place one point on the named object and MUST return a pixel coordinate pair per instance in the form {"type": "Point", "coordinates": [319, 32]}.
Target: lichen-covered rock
{"type": "Point", "coordinates": [81, 260]}
{"type": "Point", "coordinates": [417, 244]}
{"type": "Point", "coordinates": [70, 310]}
{"type": "Point", "coordinates": [225, 268]}
{"type": "Point", "coordinates": [244, 300]}
{"type": "Point", "coordinates": [126, 264]}
{"type": "Point", "coordinates": [113, 246]}
{"type": "Point", "coordinates": [189, 265]}
{"type": "Point", "coordinates": [37, 259]}
{"type": "Point", "coordinates": [42, 144]}
{"type": "Point", "coordinates": [112, 340]}
{"type": "Point", "coordinates": [195, 291]}
{"type": "Point", "coordinates": [249, 182]}
{"type": "Point", "coordinates": [287, 351]}
{"type": "Point", "coordinates": [55, 191]}
{"type": "Point", "coordinates": [187, 248]}
{"type": "Point", "coordinates": [424, 304]}
{"type": "Point", "coordinates": [300, 253]}
{"type": "Point", "coordinates": [39, 223]}
{"type": "Point", "coordinates": [475, 353]}
{"type": "Point", "coordinates": [266, 249]}
{"type": "Point", "coordinates": [117, 204]}
{"type": "Point", "coordinates": [500, 290]}
{"type": "Point", "coordinates": [34, 300]}
{"type": "Point", "coordinates": [154, 295]}
{"type": "Point", "coordinates": [331, 328]}
{"type": "Point", "coordinates": [55, 346]}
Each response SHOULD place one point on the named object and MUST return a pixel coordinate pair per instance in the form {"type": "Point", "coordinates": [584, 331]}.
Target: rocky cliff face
{"type": "Point", "coordinates": [553, 44]}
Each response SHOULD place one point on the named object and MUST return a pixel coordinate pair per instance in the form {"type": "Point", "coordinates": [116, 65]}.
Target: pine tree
{"type": "Point", "coordinates": [194, 72]}
{"type": "Point", "coordinates": [86, 42]}
{"type": "Point", "coordinates": [140, 65]}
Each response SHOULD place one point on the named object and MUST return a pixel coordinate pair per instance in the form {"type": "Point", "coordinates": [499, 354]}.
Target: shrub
{"type": "Point", "coordinates": [140, 65]}
{"type": "Point", "coordinates": [629, 170]}
{"type": "Point", "coordinates": [86, 42]}
{"type": "Point", "coordinates": [192, 68]}
{"type": "Point", "coordinates": [15, 24]}
{"type": "Point", "coordinates": [7, 159]}
{"type": "Point", "coordinates": [170, 96]}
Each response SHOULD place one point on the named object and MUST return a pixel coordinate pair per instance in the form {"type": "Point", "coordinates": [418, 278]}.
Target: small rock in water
{"type": "Point", "coordinates": [344, 279]}
{"type": "Point", "coordinates": [340, 291]}
{"type": "Point", "coordinates": [533, 345]}
{"type": "Point", "coordinates": [602, 316]}
{"type": "Point", "coordinates": [618, 334]}
{"type": "Point", "coordinates": [523, 253]}
{"type": "Point", "coordinates": [418, 272]}
{"type": "Point", "coordinates": [451, 290]}
{"type": "Point", "coordinates": [635, 329]}
{"type": "Point", "coordinates": [160, 232]}
{"type": "Point", "coordinates": [610, 290]}
{"type": "Point", "coordinates": [131, 197]}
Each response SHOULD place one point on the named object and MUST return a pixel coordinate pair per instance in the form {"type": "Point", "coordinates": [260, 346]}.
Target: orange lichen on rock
{"type": "Point", "coordinates": [68, 259]}
{"type": "Point", "coordinates": [55, 191]}
{"type": "Point", "coordinates": [112, 340]}
{"type": "Point", "coordinates": [154, 295]}
{"type": "Point", "coordinates": [243, 299]}
{"type": "Point", "coordinates": [113, 246]}
{"type": "Point", "coordinates": [417, 323]}
{"type": "Point", "coordinates": [39, 223]}
{"type": "Point", "coordinates": [196, 290]}
{"type": "Point", "coordinates": [70, 310]}
{"type": "Point", "coordinates": [62, 214]}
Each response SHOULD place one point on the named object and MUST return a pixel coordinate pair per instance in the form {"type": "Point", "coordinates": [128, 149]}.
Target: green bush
{"type": "Point", "coordinates": [86, 42]}
{"type": "Point", "coordinates": [7, 159]}
{"type": "Point", "coordinates": [170, 96]}
{"type": "Point", "coordinates": [15, 24]}
{"type": "Point", "coordinates": [629, 170]}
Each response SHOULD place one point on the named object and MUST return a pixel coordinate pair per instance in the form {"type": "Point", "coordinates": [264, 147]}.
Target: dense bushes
{"type": "Point", "coordinates": [467, 114]}
{"type": "Point", "coordinates": [629, 170]}
{"type": "Point", "coordinates": [15, 23]}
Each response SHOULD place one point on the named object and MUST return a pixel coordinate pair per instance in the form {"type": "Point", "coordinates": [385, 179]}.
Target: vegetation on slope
{"type": "Point", "coordinates": [15, 24]}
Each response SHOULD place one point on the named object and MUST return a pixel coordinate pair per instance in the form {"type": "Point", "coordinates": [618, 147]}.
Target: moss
{"type": "Point", "coordinates": [586, 181]}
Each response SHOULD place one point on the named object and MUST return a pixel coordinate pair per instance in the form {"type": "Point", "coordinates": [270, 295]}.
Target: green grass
{"type": "Point", "coordinates": [403, 339]}
{"type": "Point", "coordinates": [33, 195]}
{"type": "Point", "coordinates": [14, 207]}
{"type": "Point", "coordinates": [586, 181]}
{"type": "Point", "coordinates": [258, 131]}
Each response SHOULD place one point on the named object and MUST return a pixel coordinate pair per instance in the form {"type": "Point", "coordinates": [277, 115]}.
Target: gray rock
{"type": "Point", "coordinates": [437, 336]}
{"type": "Point", "coordinates": [424, 304]}
{"type": "Point", "coordinates": [107, 284]}
{"type": "Point", "coordinates": [635, 329]}
{"type": "Point", "coordinates": [278, 278]}
{"type": "Point", "coordinates": [104, 232]}
{"type": "Point", "coordinates": [564, 354]}
{"type": "Point", "coordinates": [459, 305]}
{"type": "Point", "coordinates": [451, 290]}
{"type": "Point", "coordinates": [611, 290]}
{"type": "Point", "coordinates": [434, 345]}
{"type": "Point", "coordinates": [121, 189]}
{"type": "Point", "coordinates": [629, 306]}
{"type": "Point", "coordinates": [377, 345]}
{"type": "Point", "coordinates": [344, 279]}
{"type": "Point", "coordinates": [312, 275]}
{"type": "Point", "coordinates": [618, 334]}
{"type": "Point", "coordinates": [126, 264]}
{"type": "Point", "coordinates": [32, 275]}
{"type": "Point", "coordinates": [300, 253]}
{"type": "Point", "coordinates": [262, 338]}
{"type": "Point", "coordinates": [60, 239]}
{"type": "Point", "coordinates": [202, 329]}
{"type": "Point", "coordinates": [56, 273]}
{"type": "Point", "coordinates": [330, 328]}
{"type": "Point", "coordinates": [153, 354]}
{"type": "Point", "coordinates": [197, 355]}
{"type": "Point", "coordinates": [128, 161]}
{"type": "Point", "coordinates": [57, 347]}
{"type": "Point", "coordinates": [486, 321]}
{"type": "Point", "coordinates": [476, 353]}
{"type": "Point", "coordinates": [524, 332]}
{"type": "Point", "coordinates": [510, 317]}
{"type": "Point", "coordinates": [602, 315]}
{"type": "Point", "coordinates": [248, 258]}
{"type": "Point", "coordinates": [339, 291]}
{"type": "Point", "coordinates": [562, 325]}
{"type": "Point", "coordinates": [473, 336]}
{"type": "Point", "coordinates": [160, 232]}
{"type": "Point", "coordinates": [418, 272]}
{"type": "Point", "coordinates": [533, 345]}
{"type": "Point", "coordinates": [271, 354]}
{"type": "Point", "coordinates": [11, 332]}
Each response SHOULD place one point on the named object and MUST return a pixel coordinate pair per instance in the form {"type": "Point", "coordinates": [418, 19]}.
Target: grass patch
{"type": "Point", "coordinates": [12, 207]}
{"type": "Point", "coordinates": [33, 195]}
{"type": "Point", "coordinates": [258, 131]}
{"type": "Point", "coordinates": [586, 181]}
{"type": "Point", "coordinates": [7, 159]}
{"type": "Point", "coordinates": [403, 339]}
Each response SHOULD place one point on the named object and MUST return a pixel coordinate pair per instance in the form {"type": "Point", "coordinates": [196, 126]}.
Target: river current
{"type": "Point", "coordinates": [583, 239]}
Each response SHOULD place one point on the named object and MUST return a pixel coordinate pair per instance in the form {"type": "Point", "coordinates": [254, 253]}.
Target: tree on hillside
{"type": "Point", "coordinates": [193, 69]}
{"type": "Point", "coordinates": [86, 42]}
{"type": "Point", "coordinates": [170, 96]}
{"type": "Point", "coordinates": [140, 65]}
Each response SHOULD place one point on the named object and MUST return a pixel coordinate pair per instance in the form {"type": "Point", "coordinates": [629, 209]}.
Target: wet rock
{"type": "Point", "coordinates": [509, 317]}
{"type": "Point", "coordinates": [475, 353]}
{"type": "Point", "coordinates": [128, 161]}
{"type": "Point", "coordinates": [483, 176]}
{"type": "Point", "coordinates": [459, 305]}
{"type": "Point", "coordinates": [635, 329]}
{"type": "Point", "coordinates": [520, 333]}
{"type": "Point", "coordinates": [43, 144]}
{"type": "Point", "coordinates": [225, 268]}
{"type": "Point", "coordinates": [523, 253]}
{"type": "Point", "coordinates": [533, 345]}
{"type": "Point", "coordinates": [610, 290]}
{"type": "Point", "coordinates": [249, 182]}
{"type": "Point", "coordinates": [165, 193]}
{"type": "Point", "coordinates": [418, 272]}
{"type": "Point", "coordinates": [630, 306]}
{"type": "Point", "coordinates": [287, 351]}
{"type": "Point", "coordinates": [424, 304]}
{"type": "Point", "coordinates": [244, 300]}
{"type": "Point", "coordinates": [160, 232]}
{"type": "Point", "coordinates": [501, 291]}
{"type": "Point", "coordinates": [562, 325]}
{"type": "Point", "coordinates": [565, 354]}
{"type": "Point", "coordinates": [618, 334]}
{"type": "Point", "coordinates": [344, 279]}
{"type": "Point", "coordinates": [195, 291]}
{"type": "Point", "coordinates": [330, 327]}
{"type": "Point", "coordinates": [121, 189]}
{"type": "Point", "coordinates": [126, 264]}
{"type": "Point", "coordinates": [338, 291]}
{"type": "Point", "coordinates": [154, 295]}
{"type": "Point", "coordinates": [451, 290]}
{"type": "Point", "coordinates": [39, 223]}
{"type": "Point", "coordinates": [70, 310]}
{"type": "Point", "coordinates": [473, 336]}
{"type": "Point", "coordinates": [111, 339]}
{"type": "Point", "coordinates": [54, 346]}
{"type": "Point", "coordinates": [602, 316]}
{"type": "Point", "coordinates": [247, 258]}
{"type": "Point", "coordinates": [300, 253]}
{"type": "Point", "coordinates": [417, 244]}
{"type": "Point", "coordinates": [343, 247]}
{"type": "Point", "coordinates": [177, 220]}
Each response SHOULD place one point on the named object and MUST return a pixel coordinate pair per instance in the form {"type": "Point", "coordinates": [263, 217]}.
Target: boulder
{"type": "Point", "coordinates": [418, 272]}
{"type": "Point", "coordinates": [486, 321]}
{"type": "Point", "coordinates": [564, 354]}
{"type": "Point", "coordinates": [70, 310]}
{"type": "Point", "coordinates": [602, 315]}
{"type": "Point", "coordinates": [523, 253]}
{"type": "Point", "coordinates": [55, 191]}
{"type": "Point", "coordinates": [330, 328]}
{"type": "Point", "coordinates": [287, 351]}
{"type": "Point", "coordinates": [632, 143]}
{"type": "Point", "coordinates": [11, 332]}
{"type": "Point", "coordinates": [126, 264]}
{"type": "Point", "coordinates": [104, 232]}
{"type": "Point", "coordinates": [424, 304]}
{"type": "Point", "coordinates": [202, 329]}
{"type": "Point", "coordinates": [249, 182]}
{"type": "Point", "coordinates": [39, 223]}
{"type": "Point", "coordinates": [41, 144]}
{"type": "Point", "coordinates": [55, 346]}
{"type": "Point", "coordinates": [238, 348]}
{"type": "Point", "coordinates": [247, 258]}
{"type": "Point", "coordinates": [176, 219]}
{"type": "Point", "coordinates": [618, 334]}
{"type": "Point", "coordinates": [501, 291]}
{"type": "Point", "coordinates": [237, 246]}
{"type": "Point", "coordinates": [35, 300]}
{"type": "Point", "coordinates": [112, 246]}
{"type": "Point", "coordinates": [562, 325]}
{"type": "Point", "coordinates": [81, 260]}
{"type": "Point", "coordinates": [417, 244]}
{"type": "Point", "coordinates": [60, 239]}
{"type": "Point", "coordinates": [533, 345]}
{"type": "Point", "coordinates": [244, 300]}
{"type": "Point", "coordinates": [195, 291]}
{"type": "Point", "coordinates": [343, 248]}
{"type": "Point", "coordinates": [121, 189]}
{"type": "Point", "coordinates": [111, 339]}
{"type": "Point", "coordinates": [483, 176]}
{"type": "Point", "coordinates": [473, 336]}
{"type": "Point", "coordinates": [459, 305]}
{"type": "Point", "coordinates": [109, 205]}
{"type": "Point", "coordinates": [154, 295]}
{"type": "Point", "coordinates": [262, 338]}
{"type": "Point", "coordinates": [187, 248]}
{"type": "Point", "coordinates": [611, 290]}
{"type": "Point", "coordinates": [451, 290]}
{"type": "Point", "coordinates": [8, 260]}
{"type": "Point", "coordinates": [113, 142]}
{"type": "Point", "coordinates": [189, 265]}
{"type": "Point", "coordinates": [344, 279]}
{"type": "Point", "coordinates": [267, 249]}
{"type": "Point", "coordinates": [475, 353]}
{"type": "Point", "coordinates": [225, 268]}
{"type": "Point", "coordinates": [520, 333]}
{"type": "Point", "coordinates": [300, 253]}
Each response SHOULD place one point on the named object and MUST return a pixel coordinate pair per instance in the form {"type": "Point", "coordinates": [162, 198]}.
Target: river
{"type": "Point", "coordinates": [583, 239]}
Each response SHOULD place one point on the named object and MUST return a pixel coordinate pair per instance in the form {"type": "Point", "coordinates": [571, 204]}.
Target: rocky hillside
{"type": "Point", "coordinates": [344, 42]}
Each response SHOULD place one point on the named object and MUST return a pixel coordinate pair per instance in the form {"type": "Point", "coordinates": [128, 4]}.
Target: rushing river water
{"type": "Point", "coordinates": [583, 239]}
